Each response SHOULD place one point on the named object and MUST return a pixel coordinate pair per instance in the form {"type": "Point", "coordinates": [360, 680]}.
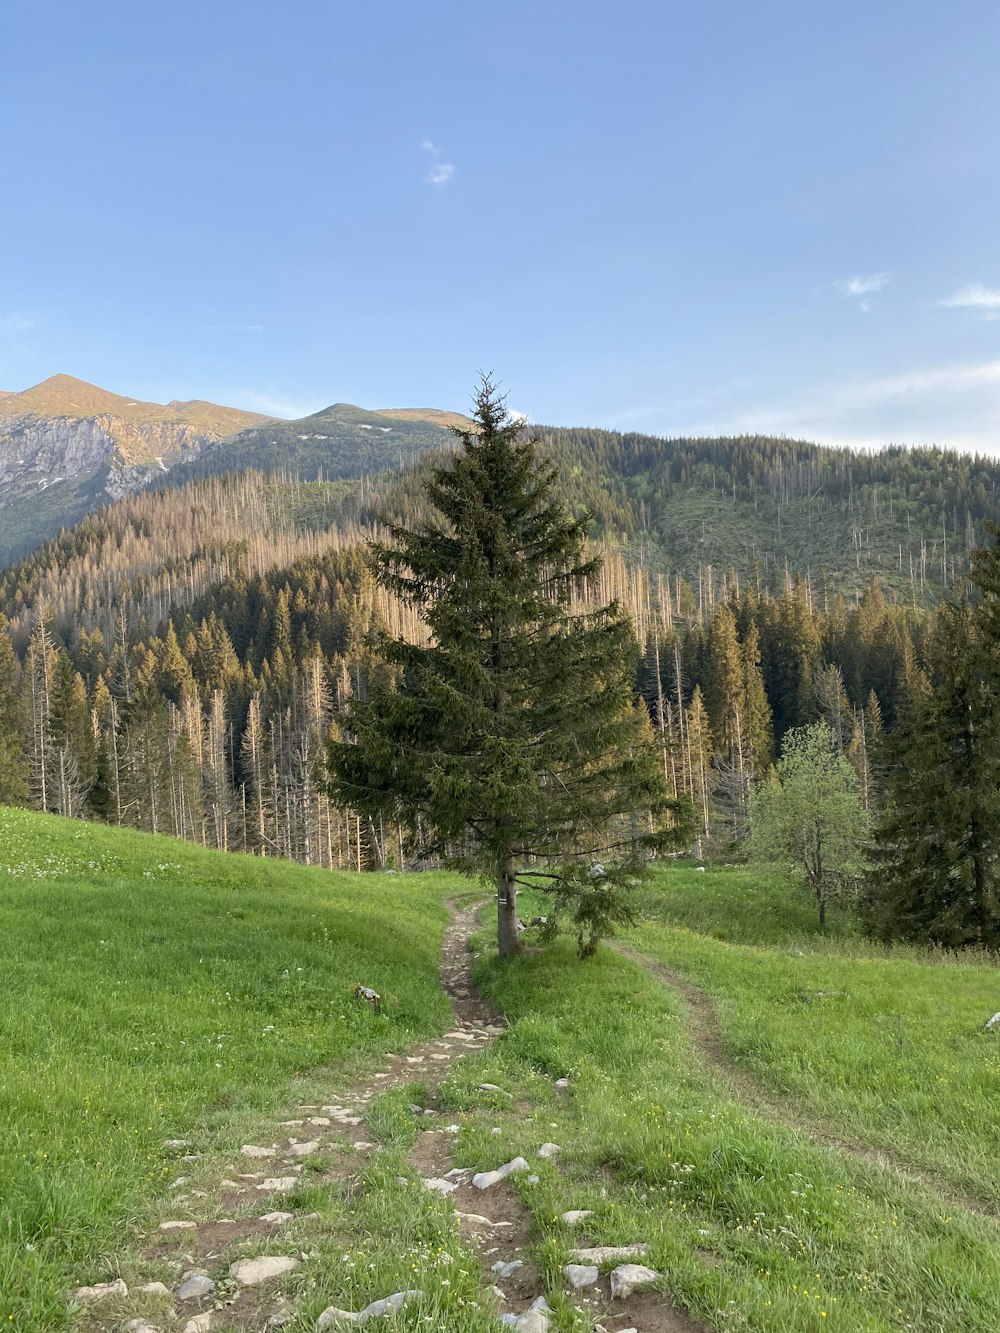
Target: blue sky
{"type": "Point", "coordinates": [678, 218]}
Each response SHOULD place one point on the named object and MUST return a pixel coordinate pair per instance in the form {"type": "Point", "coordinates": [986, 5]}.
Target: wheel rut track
{"type": "Point", "coordinates": [706, 1035]}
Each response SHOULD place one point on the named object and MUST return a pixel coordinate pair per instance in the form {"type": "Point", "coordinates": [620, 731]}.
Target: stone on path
{"type": "Point", "coordinates": [100, 1291]}
{"type": "Point", "coordinates": [581, 1275]}
{"type": "Point", "coordinates": [178, 1226]}
{"type": "Point", "coordinates": [252, 1150]}
{"type": "Point", "coordinates": [201, 1323]}
{"type": "Point", "coordinates": [303, 1149]}
{"type": "Point", "coordinates": [549, 1150]}
{"type": "Point", "coordinates": [575, 1216]}
{"type": "Point", "coordinates": [279, 1184]}
{"type": "Point", "coordinates": [249, 1272]}
{"type": "Point", "coordinates": [154, 1289]}
{"type": "Point", "coordinates": [600, 1254]}
{"type": "Point", "coordinates": [534, 1320]}
{"type": "Point", "coordinates": [140, 1326]}
{"type": "Point", "coordinates": [627, 1277]}
{"type": "Point", "coordinates": [275, 1219]}
{"type": "Point", "coordinates": [504, 1270]}
{"type": "Point", "coordinates": [513, 1166]}
{"type": "Point", "coordinates": [195, 1287]}
{"type": "Point", "coordinates": [484, 1180]}
{"type": "Point", "coordinates": [439, 1186]}
{"type": "Point", "coordinates": [332, 1315]}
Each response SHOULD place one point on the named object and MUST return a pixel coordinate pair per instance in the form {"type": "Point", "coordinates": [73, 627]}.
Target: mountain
{"type": "Point", "coordinates": [66, 445]}
{"type": "Point", "coordinates": [341, 441]}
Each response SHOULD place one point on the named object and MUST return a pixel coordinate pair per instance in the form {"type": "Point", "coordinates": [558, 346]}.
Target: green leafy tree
{"type": "Point", "coordinates": [508, 743]}
{"type": "Point", "coordinates": [811, 818]}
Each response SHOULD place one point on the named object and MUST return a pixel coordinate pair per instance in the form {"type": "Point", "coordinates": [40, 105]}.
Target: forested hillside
{"type": "Point", "coordinates": [177, 659]}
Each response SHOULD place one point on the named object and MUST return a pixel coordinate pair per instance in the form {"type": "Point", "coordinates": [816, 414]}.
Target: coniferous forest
{"type": "Point", "coordinates": [178, 661]}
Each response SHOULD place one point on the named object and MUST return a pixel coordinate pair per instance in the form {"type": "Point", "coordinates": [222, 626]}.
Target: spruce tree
{"type": "Point", "coordinates": [509, 743]}
{"type": "Point", "coordinates": [937, 842]}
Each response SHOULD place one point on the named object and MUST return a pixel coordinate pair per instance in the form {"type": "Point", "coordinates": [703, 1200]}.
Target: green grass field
{"type": "Point", "coordinates": [147, 983]}
{"type": "Point", "coordinates": [889, 1046]}
{"type": "Point", "coordinates": [153, 990]}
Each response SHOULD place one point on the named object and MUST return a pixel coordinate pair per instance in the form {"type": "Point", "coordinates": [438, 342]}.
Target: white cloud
{"type": "Point", "coordinates": [863, 286]}
{"type": "Point", "coordinates": [976, 297]}
{"type": "Point", "coordinates": [955, 405]}
{"type": "Point", "coordinates": [439, 172]}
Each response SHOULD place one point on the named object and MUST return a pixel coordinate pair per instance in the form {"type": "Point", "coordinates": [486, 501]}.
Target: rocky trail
{"type": "Point", "coordinates": [212, 1291]}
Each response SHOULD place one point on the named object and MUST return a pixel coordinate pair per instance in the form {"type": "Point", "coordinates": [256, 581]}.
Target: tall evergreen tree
{"type": "Point", "coordinates": [937, 843]}
{"type": "Point", "coordinates": [511, 739]}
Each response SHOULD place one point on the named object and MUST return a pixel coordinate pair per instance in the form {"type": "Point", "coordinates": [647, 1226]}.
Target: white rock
{"type": "Point", "coordinates": [178, 1226]}
{"type": "Point", "coordinates": [176, 1143]}
{"type": "Point", "coordinates": [549, 1150]}
{"type": "Point", "coordinates": [991, 1023]}
{"type": "Point", "coordinates": [249, 1272]}
{"type": "Point", "coordinates": [276, 1219]}
{"type": "Point", "coordinates": [534, 1320]}
{"type": "Point", "coordinates": [504, 1270]}
{"type": "Point", "coordinates": [252, 1150]}
{"type": "Point", "coordinates": [319, 1120]}
{"type": "Point", "coordinates": [512, 1167]}
{"type": "Point", "coordinates": [439, 1186]}
{"type": "Point", "coordinates": [201, 1323]}
{"type": "Point", "coordinates": [195, 1287]}
{"type": "Point", "coordinates": [303, 1149]}
{"type": "Point", "coordinates": [484, 1180]}
{"type": "Point", "coordinates": [581, 1275]}
{"type": "Point", "coordinates": [100, 1291]}
{"type": "Point", "coordinates": [140, 1326]}
{"type": "Point", "coordinates": [627, 1277]}
{"type": "Point", "coordinates": [600, 1254]}
{"type": "Point", "coordinates": [388, 1305]}
{"type": "Point", "coordinates": [561, 1083]}
{"type": "Point", "coordinates": [332, 1316]}
{"type": "Point", "coordinates": [575, 1216]}
{"type": "Point", "coordinates": [154, 1289]}
{"type": "Point", "coordinates": [495, 1087]}
{"type": "Point", "coordinates": [278, 1184]}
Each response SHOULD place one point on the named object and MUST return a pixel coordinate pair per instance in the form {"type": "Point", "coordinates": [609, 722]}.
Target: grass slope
{"type": "Point", "coordinates": [889, 1045]}
{"type": "Point", "coordinates": [754, 1227]}
{"type": "Point", "coordinates": [145, 982]}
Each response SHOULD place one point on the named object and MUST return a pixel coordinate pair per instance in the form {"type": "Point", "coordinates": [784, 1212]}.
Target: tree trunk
{"type": "Point", "coordinates": [507, 911]}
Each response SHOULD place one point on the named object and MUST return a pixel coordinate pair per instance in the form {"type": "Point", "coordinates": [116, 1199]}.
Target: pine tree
{"type": "Point", "coordinates": [937, 842]}
{"type": "Point", "coordinates": [512, 739]}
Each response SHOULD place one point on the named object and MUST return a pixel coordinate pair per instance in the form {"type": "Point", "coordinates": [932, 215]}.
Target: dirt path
{"type": "Point", "coordinates": [706, 1033]}
{"type": "Point", "coordinates": [226, 1203]}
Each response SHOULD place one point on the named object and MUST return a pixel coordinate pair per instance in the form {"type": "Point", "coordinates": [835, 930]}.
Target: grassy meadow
{"type": "Point", "coordinates": [888, 1046]}
{"type": "Point", "coordinates": [152, 990]}
{"type": "Point", "coordinates": [147, 984]}
{"type": "Point", "coordinates": [759, 1228]}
